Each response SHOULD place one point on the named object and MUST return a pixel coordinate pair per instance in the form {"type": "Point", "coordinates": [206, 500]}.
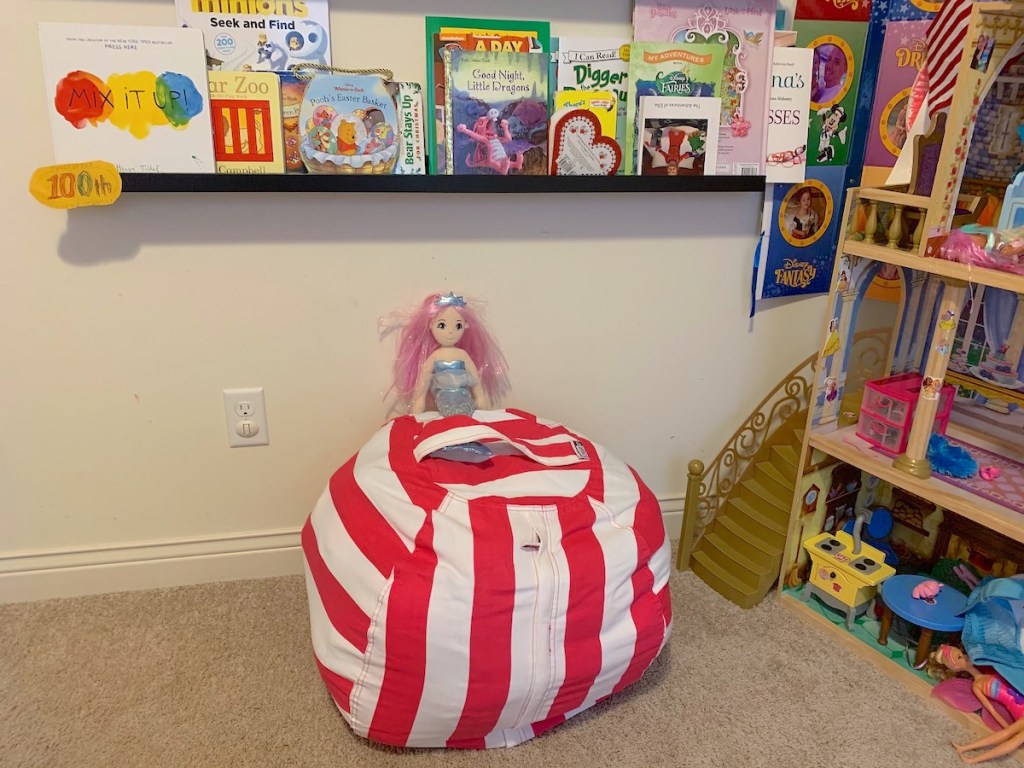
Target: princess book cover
{"type": "Point", "coordinates": [458, 33]}
{"type": "Point", "coordinates": [903, 51]}
{"type": "Point", "coordinates": [497, 107]}
{"type": "Point", "coordinates": [134, 96]}
{"type": "Point", "coordinates": [838, 48]}
{"type": "Point", "coordinates": [679, 136]}
{"type": "Point", "coordinates": [786, 159]}
{"type": "Point", "coordinates": [258, 34]}
{"type": "Point", "coordinates": [669, 69]}
{"type": "Point", "coordinates": [746, 29]}
{"type": "Point", "coordinates": [246, 113]}
{"type": "Point", "coordinates": [800, 233]}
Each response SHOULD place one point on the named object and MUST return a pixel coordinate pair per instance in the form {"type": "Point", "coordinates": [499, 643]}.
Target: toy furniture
{"type": "Point", "coordinates": [887, 411]}
{"type": "Point", "coordinates": [843, 574]}
{"type": "Point", "coordinates": [940, 613]}
{"type": "Point", "coordinates": [478, 605]}
{"type": "Point", "coordinates": [929, 323]}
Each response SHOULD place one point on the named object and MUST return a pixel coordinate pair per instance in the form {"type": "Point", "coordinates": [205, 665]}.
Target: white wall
{"type": "Point", "coordinates": [623, 316]}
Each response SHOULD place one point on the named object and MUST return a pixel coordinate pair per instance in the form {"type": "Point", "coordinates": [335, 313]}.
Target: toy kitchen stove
{"type": "Point", "coordinates": [843, 575]}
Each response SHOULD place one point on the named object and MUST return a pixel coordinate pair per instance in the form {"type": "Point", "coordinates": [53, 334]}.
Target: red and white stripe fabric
{"type": "Point", "coordinates": [478, 605]}
{"type": "Point", "coordinates": [946, 38]}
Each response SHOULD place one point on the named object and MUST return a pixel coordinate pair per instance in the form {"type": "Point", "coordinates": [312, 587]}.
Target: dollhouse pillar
{"type": "Point", "coordinates": [900, 364]}
{"type": "Point", "coordinates": [924, 318]}
{"type": "Point", "coordinates": [835, 367]}
{"type": "Point", "coordinates": [915, 460]}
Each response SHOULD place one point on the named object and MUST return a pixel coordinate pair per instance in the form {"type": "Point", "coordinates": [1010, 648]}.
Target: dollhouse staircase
{"type": "Point", "coordinates": [748, 508]}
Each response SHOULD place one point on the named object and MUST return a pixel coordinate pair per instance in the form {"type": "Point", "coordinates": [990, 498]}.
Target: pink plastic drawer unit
{"type": "Point", "coordinates": [887, 411]}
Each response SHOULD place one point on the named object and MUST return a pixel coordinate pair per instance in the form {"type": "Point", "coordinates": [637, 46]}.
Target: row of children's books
{"type": "Point", "coordinates": [239, 92]}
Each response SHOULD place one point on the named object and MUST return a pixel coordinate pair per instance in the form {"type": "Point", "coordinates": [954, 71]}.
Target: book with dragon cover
{"type": "Point", "coordinates": [669, 69]}
{"type": "Point", "coordinates": [496, 113]}
{"type": "Point", "coordinates": [746, 28]}
{"type": "Point", "coordinates": [445, 33]}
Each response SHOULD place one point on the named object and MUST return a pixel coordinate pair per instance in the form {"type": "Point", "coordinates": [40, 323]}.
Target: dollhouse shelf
{"type": "Point", "coordinates": [213, 182]}
{"type": "Point", "coordinates": [976, 275]}
{"type": "Point", "coordinates": [844, 445]}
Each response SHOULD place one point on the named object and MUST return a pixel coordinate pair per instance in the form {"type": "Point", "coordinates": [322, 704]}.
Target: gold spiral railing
{"type": "Point", "coordinates": [707, 490]}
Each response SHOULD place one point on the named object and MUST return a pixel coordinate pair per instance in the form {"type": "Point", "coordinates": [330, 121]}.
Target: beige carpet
{"type": "Point", "coordinates": [222, 675]}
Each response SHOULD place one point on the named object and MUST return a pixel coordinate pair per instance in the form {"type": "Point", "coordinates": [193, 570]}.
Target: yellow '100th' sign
{"type": "Point", "coordinates": [75, 185]}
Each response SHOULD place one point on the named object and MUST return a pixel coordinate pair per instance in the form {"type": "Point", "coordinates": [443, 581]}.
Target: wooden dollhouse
{"type": "Point", "coordinates": [941, 319]}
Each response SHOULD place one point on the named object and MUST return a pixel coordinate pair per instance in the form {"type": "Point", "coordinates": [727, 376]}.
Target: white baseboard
{"type": "Point", "coordinates": [149, 565]}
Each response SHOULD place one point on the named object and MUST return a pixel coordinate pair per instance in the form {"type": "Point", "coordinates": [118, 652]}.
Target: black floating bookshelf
{"type": "Point", "coordinates": [216, 182]}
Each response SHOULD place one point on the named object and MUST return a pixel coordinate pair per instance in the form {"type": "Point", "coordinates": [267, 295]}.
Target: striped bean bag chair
{"type": "Point", "coordinates": [478, 605]}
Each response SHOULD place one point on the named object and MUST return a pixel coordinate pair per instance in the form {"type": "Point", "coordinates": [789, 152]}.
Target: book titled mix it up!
{"type": "Point", "coordinates": [134, 96]}
{"type": "Point", "coordinates": [496, 112]}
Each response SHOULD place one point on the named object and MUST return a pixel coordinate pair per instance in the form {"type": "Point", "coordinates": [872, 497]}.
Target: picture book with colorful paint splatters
{"type": "Point", "coordinates": [746, 28]}
{"type": "Point", "coordinates": [458, 33]}
{"type": "Point", "coordinates": [496, 113]}
{"type": "Point", "coordinates": [669, 69]}
{"type": "Point", "coordinates": [136, 97]}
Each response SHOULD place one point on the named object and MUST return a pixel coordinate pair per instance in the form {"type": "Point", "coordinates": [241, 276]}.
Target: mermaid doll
{"type": "Point", "coordinates": [446, 361]}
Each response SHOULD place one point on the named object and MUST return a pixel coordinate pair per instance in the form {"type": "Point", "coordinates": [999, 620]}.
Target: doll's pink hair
{"type": "Point", "coordinates": [416, 343]}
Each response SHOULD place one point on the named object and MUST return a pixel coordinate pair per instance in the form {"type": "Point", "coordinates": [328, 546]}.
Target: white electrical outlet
{"type": "Point", "coordinates": [246, 414]}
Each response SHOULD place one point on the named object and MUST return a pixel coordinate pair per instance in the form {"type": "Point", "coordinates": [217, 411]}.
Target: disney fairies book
{"type": "Point", "coordinates": [134, 96]}
{"type": "Point", "coordinates": [260, 35]}
{"type": "Point", "coordinates": [678, 136]}
{"type": "Point", "coordinates": [669, 69]}
{"type": "Point", "coordinates": [459, 33]}
{"type": "Point", "coordinates": [247, 125]}
{"type": "Point", "coordinates": [496, 113]}
{"type": "Point", "coordinates": [746, 28]}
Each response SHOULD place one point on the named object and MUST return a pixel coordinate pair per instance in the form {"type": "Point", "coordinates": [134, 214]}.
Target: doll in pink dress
{"type": "Point", "coordinates": [987, 688]}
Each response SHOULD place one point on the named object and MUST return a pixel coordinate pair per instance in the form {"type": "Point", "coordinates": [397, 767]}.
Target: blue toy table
{"type": "Point", "coordinates": [940, 615]}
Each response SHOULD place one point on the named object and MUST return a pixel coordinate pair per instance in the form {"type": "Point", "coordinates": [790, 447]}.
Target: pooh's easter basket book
{"type": "Point", "coordinates": [349, 122]}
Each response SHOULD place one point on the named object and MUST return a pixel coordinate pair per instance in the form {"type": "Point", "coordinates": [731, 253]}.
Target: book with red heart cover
{"type": "Point", "coordinates": [582, 140]}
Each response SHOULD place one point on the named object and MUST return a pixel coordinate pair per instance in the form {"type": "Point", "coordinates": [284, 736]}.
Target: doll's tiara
{"type": "Point", "coordinates": [449, 300]}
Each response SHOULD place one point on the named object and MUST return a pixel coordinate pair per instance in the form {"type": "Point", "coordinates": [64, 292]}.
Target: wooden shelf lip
{"type": "Point", "coordinates": [953, 269]}
{"type": "Point", "coordinates": [228, 182]}
{"type": "Point", "coordinates": [844, 445]}
{"type": "Point", "coordinates": [890, 195]}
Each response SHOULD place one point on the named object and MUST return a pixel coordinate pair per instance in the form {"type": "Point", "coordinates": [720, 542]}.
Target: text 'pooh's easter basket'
{"type": "Point", "coordinates": [349, 121]}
